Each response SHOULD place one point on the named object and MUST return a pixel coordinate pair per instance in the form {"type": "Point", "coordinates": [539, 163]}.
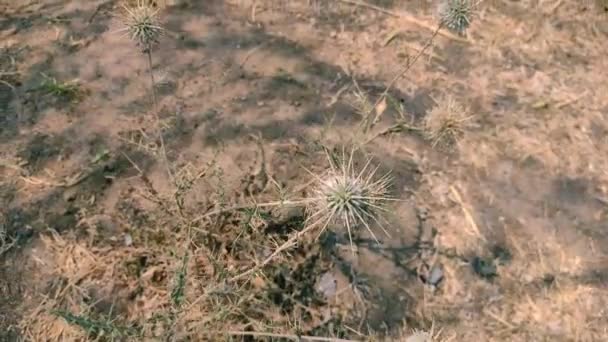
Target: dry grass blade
{"type": "Point", "coordinates": [468, 216]}
{"type": "Point", "coordinates": [362, 105]}
{"type": "Point", "coordinates": [142, 24]}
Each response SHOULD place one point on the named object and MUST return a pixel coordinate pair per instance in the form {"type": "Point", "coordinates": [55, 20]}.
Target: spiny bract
{"type": "Point", "coordinates": [348, 197]}
{"type": "Point", "coordinates": [457, 14]}
{"type": "Point", "coordinates": [142, 25]}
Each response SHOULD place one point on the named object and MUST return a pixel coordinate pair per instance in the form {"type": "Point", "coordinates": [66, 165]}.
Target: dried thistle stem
{"type": "Point", "coordinates": [292, 240]}
{"type": "Point", "coordinates": [142, 25]}
{"type": "Point", "coordinates": [163, 149]}
{"type": "Point", "coordinates": [408, 66]}
{"type": "Point", "coordinates": [152, 81]}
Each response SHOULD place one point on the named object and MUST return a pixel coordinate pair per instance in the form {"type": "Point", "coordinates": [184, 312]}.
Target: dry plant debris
{"type": "Point", "coordinates": [341, 195]}
{"type": "Point", "coordinates": [445, 123]}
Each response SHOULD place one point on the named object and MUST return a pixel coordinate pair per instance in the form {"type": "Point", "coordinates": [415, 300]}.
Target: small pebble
{"type": "Point", "coordinates": [327, 285]}
{"type": "Point", "coordinates": [435, 276]}
{"type": "Point", "coordinates": [128, 240]}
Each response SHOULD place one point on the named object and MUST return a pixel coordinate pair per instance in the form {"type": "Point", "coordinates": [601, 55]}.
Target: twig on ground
{"type": "Point", "coordinates": [249, 54]}
{"type": "Point", "coordinates": [396, 128]}
{"type": "Point", "coordinates": [570, 101]}
{"type": "Point", "coordinates": [245, 206]}
{"type": "Point", "coordinates": [132, 163]}
{"type": "Point", "coordinates": [67, 182]}
{"type": "Point", "coordinates": [499, 319]}
{"type": "Point", "coordinates": [287, 336]}
{"type": "Point", "coordinates": [467, 213]}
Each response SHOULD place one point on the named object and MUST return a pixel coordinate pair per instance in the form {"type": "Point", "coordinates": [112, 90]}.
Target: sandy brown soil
{"type": "Point", "coordinates": [511, 217]}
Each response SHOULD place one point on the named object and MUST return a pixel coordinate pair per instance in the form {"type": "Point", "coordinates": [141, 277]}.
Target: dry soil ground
{"type": "Point", "coordinates": [501, 234]}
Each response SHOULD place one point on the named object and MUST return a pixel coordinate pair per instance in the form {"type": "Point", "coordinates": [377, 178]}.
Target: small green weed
{"type": "Point", "coordinates": [97, 328]}
{"type": "Point", "coordinates": [70, 90]}
{"type": "Point", "coordinates": [177, 295]}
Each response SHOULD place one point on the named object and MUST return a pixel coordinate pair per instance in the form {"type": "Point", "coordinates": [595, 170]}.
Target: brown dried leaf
{"type": "Point", "coordinates": [380, 109]}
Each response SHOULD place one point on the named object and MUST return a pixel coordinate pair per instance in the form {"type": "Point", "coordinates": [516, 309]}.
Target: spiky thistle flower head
{"type": "Point", "coordinates": [142, 24]}
{"type": "Point", "coordinates": [346, 196]}
{"type": "Point", "coordinates": [457, 14]}
{"type": "Point", "coordinates": [445, 123]}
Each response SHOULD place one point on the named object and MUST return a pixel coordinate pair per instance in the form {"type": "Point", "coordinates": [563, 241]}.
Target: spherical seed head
{"type": "Point", "coordinates": [348, 197]}
{"type": "Point", "coordinates": [345, 195]}
{"type": "Point", "coordinates": [142, 24]}
{"type": "Point", "coordinates": [457, 14]}
{"type": "Point", "coordinates": [446, 122]}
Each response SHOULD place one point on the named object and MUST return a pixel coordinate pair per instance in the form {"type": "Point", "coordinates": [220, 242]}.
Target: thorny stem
{"type": "Point", "coordinates": [407, 67]}
{"type": "Point", "coordinates": [245, 206]}
{"type": "Point", "coordinates": [159, 127]}
{"type": "Point", "coordinates": [153, 82]}
{"type": "Point", "coordinates": [398, 127]}
{"type": "Point", "coordinates": [276, 252]}
{"type": "Point", "coordinates": [267, 260]}
{"type": "Point", "coordinates": [5, 247]}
